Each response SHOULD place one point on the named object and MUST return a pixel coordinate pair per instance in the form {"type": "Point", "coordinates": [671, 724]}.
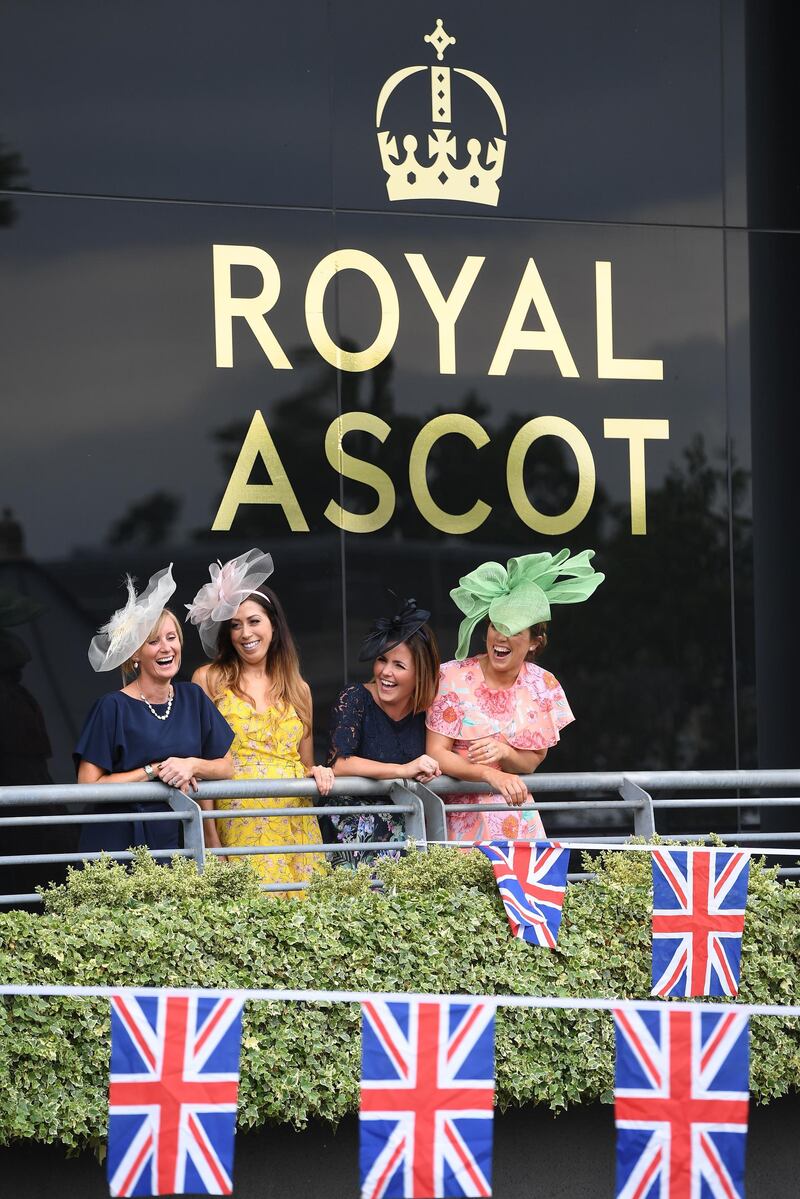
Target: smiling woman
{"type": "Point", "coordinates": [496, 714]}
{"type": "Point", "coordinates": [377, 729]}
{"type": "Point", "coordinates": [254, 680]}
{"type": "Point", "coordinates": [155, 727]}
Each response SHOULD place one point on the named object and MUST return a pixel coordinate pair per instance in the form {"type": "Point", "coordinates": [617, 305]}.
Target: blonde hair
{"type": "Point", "coordinates": [287, 687]}
{"type": "Point", "coordinates": [130, 665]}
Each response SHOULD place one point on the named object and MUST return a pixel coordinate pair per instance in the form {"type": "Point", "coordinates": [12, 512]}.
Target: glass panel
{"type": "Point", "coordinates": [120, 432]}
{"type": "Point", "coordinates": [192, 99]}
{"type": "Point", "coordinates": [647, 662]}
{"type": "Point", "coordinates": [611, 112]}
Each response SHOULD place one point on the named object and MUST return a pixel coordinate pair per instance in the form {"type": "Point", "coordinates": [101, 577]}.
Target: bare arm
{"type": "Point", "coordinates": [322, 775]}
{"type": "Point", "coordinates": [200, 677]}
{"type": "Point", "coordinates": [523, 761]}
{"type": "Point", "coordinates": [494, 751]}
{"type": "Point", "coordinates": [89, 773]}
{"type": "Point", "coordinates": [422, 768]}
{"type": "Point", "coordinates": [509, 785]}
{"type": "Point", "coordinates": [210, 833]}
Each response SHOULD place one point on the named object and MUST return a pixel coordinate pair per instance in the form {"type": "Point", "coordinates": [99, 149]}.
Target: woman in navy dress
{"type": "Point", "coordinates": [153, 728]}
{"type": "Point", "coordinates": [377, 729]}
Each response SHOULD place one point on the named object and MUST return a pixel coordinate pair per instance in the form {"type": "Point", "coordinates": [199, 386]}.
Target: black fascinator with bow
{"type": "Point", "coordinates": [389, 631]}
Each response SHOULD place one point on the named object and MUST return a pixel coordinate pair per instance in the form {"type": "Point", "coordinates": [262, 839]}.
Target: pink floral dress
{"type": "Point", "coordinates": [528, 715]}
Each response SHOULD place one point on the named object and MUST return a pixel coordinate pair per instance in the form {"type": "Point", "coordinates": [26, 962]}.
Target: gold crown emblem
{"type": "Point", "coordinates": [440, 178]}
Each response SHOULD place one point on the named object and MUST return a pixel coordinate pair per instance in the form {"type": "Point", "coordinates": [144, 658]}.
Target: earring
{"type": "Point", "coordinates": [136, 666]}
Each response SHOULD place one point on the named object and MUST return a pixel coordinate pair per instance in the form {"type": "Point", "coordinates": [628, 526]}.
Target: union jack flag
{"type": "Point", "coordinates": [172, 1094]}
{"type": "Point", "coordinates": [699, 898]}
{"type": "Point", "coordinates": [427, 1092]}
{"type": "Point", "coordinates": [680, 1104]}
{"type": "Point", "coordinates": [532, 878]}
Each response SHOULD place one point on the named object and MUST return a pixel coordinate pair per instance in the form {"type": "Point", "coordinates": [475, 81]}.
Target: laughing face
{"type": "Point", "coordinates": [160, 656]}
{"type": "Point", "coordinates": [505, 655]}
{"type": "Point", "coordinates": [395, 679]}
{"type": "Point", "coordinates": [251, 633]}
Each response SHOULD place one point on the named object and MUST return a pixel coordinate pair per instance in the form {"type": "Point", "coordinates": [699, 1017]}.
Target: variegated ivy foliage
{"type": "Point", "coordinates": [436, 926]}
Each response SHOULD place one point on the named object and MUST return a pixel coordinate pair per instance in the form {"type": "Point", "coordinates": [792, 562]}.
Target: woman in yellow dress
{"type": "Point", "coordinates": [254, 680]}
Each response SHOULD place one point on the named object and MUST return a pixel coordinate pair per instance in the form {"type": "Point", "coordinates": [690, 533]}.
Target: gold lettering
{"type": "Point", "coordinates": [429, 434]}
{"type": "Point", "coordinates": [362, 472]}
{"type": "Point", "coordinates": [609, 367]}
{"type": "Point", "coordinates": [446, 311]}
{"type": "Point", "coordinates": [636, 433]}
{"type": "Point", "coordinates": [532, 291]}
{"type": "Point", "coordinates": [259, 444]}
{"type": "Point", "coordinates": [550, 426]}
{"type": "Point", "coordinates": [252, 309]}
{"type": "Point", "coordinates": [321, 276]}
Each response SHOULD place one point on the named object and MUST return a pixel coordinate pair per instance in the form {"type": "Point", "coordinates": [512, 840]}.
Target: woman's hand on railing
{"type": "Point", "coordinates": [324, 777]}
{"type": "Point", "coordinates": [510, 786]}
{"type": "Point", "coordinates": [422, 769]}
{"type": "Point", "coordinates": [178, 773]}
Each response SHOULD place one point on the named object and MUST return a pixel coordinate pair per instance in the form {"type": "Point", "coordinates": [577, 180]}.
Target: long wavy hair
{"type": "Point", "coordinates": [282, 665]}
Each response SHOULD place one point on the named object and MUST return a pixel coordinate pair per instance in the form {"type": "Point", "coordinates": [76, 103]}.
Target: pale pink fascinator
{"type": "Point", "coordinates": [230, 585]}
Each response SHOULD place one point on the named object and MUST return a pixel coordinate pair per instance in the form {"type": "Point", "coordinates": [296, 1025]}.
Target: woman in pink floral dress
{"type": "Point", "coordinates": [497, 713]}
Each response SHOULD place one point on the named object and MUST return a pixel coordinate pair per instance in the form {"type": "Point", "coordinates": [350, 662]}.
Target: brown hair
{"type": "Point", "coordinates": [128, 668]}
{"type": "Point", "coordinates": [282, 663]}
{"type": "Point", "coordinates": [538, 634]}
{"type": "Point", "coordinates": [424, 652]}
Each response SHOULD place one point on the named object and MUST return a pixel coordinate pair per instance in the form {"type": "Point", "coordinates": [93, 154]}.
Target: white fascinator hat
{"type": "Point", "coordinates": [229, 586]}
{"type": "Point", "coordinates": [130, 625]}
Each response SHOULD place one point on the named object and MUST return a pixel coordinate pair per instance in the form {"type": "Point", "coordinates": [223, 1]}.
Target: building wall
{"type": "Point", "coordinates": [138, 137]}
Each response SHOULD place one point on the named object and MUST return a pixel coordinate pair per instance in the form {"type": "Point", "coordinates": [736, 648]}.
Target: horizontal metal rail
{"type": "Point", "coordinates": [339, 810]}
{"type": "Point", "coordinates": [239, 851]}
{"type": "Point", "coordinates": [424, 809]}
{"type": "Point", "coordinates": [91, 818]}
{"type": "Point", "coordinates": [578, 805]}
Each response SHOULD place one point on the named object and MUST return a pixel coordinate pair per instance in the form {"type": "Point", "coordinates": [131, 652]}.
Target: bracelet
{"type": "Point", "coordinates": [151, 774]}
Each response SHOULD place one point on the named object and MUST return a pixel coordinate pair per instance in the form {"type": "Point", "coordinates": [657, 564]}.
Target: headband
{"type": "Point", "coordinates": [217, 600]}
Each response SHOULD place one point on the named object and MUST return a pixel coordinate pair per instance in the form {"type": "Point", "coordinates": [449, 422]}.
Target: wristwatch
{"type": "Point", "coordinates": [151, 774]}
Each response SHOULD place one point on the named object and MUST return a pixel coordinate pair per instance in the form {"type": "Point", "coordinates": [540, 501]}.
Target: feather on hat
{"type": "Point", "coordinates": [130, 625]}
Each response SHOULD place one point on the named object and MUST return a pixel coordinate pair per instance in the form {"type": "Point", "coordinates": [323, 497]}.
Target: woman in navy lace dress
{"type": "Point", "coordinates": [377, 729]}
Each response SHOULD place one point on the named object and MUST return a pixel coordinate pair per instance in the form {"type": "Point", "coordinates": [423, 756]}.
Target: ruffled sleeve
{"type": "Point", "coordinates": [346, 724]}
{"type": "Point", "coordinates": [446, 713]}
{"type": "Point", "coordinates": [542, 710]}
{"type": "Point", "coordinates": [102, 739]}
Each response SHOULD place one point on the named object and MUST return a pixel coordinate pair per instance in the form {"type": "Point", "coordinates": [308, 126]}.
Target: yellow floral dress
{"type": "Point", "coordinates": [265, 746]}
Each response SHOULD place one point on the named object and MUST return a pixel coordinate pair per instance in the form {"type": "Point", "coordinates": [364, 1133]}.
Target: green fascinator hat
{"type": "Point", "coordinates": [519, 594]}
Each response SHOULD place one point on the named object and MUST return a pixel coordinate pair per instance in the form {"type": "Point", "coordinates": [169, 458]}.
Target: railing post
{"type": "Point", "coordinates": [193, 839]}
{"type": "Point", "coordinates": [435, 821]}
{"type": "Point", "coordinates": [644, 822]}
{"type": "Point", "coordinates": [401, 793]}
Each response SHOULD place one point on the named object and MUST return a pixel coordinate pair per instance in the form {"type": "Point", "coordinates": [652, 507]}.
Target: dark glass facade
{"type": "Point", "coordinates": [597, 356]}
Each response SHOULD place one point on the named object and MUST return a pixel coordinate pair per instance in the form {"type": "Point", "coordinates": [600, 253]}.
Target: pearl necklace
{"type": "Point", "coordinates": [152, 709]}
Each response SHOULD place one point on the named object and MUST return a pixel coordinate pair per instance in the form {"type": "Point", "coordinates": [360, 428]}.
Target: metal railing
{"type": "Point", "coordinates": [625, 796]}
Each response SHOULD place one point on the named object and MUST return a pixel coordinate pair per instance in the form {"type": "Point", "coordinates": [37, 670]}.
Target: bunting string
{"type": "Point", "coordinates": [289, 995]}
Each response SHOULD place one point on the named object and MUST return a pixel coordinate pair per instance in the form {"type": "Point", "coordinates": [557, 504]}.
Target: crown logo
{"type": "Point", "coordinates": [440, 177]}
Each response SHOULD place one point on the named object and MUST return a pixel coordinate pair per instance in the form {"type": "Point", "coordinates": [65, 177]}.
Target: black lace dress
{"type": "Point", "coordinates": [360, 728]}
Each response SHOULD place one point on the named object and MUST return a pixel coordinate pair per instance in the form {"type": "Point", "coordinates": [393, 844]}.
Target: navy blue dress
{"type": "Point", "coordinates": [121, 734]}
{"type": "Point", "coordinates": [360, 728]}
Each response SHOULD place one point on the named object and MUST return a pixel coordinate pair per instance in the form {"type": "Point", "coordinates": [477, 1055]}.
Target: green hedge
{"type": "Point", "coordinates": [437, 926]}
